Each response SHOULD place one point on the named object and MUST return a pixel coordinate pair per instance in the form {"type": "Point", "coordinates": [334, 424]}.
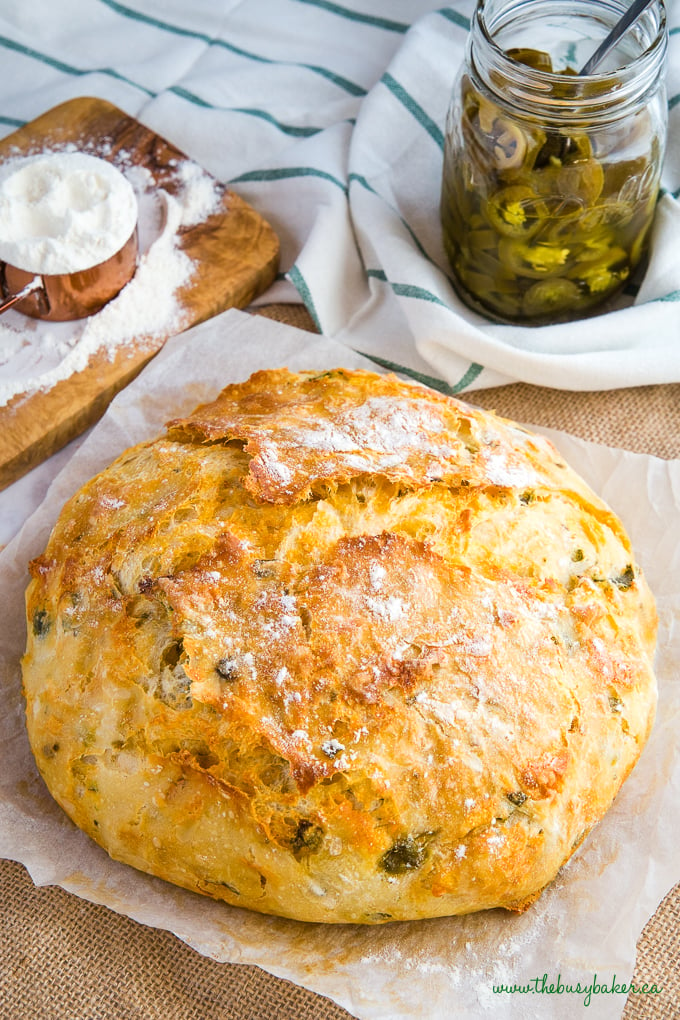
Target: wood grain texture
{"type": "Point", "coordinates": [235, 254]}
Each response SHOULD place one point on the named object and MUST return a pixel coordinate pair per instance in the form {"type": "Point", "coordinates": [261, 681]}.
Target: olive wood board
{"type": "Point", "coordinates": [235, 254]}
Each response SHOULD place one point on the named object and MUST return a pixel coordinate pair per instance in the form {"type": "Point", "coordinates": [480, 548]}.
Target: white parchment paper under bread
{"type": "Point", "coordinates": [585, 926]}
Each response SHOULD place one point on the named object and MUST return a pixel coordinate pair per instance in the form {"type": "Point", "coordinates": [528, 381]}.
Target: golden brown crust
{"type": "Point", "coordinates": [342, 649]}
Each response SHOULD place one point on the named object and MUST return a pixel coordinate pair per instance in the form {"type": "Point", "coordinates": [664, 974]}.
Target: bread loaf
{"type": "Point", "coordinates": [340, 648]}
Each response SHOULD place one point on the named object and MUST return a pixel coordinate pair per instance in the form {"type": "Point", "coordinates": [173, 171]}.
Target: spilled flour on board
{"type": "Point", "coordinates": [36, 354]}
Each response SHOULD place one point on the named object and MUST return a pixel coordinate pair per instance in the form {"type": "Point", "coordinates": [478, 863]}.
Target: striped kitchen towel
{"type": "Point", "coordinates": [329, 117]}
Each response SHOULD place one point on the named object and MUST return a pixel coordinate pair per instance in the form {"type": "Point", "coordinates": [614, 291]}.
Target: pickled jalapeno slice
{"type": "Point", "coordinates": [605, 218]}
{"type": "Point", "coordinates": [500, 295]}
{"type": "Point", "coordinates": [533, 260]}
{"type": "Point", "coordinates": [581, 178]}
{"type": "Point", "coordinates": [503, 138]}
{"type": "Point", "coordinates": [600, 248]}
{"type": "Point", "coordinates": [497, 141]}
{"type": "Point", "coordinates": [482, 240]}
{"type": "Point", "coordinates": [515, 211]}
{"type": "Point", "coordinates": [603, 274]}
{"type": "Point", "coordinates": [626, 178]}
{"type": "Point", "coordinates": [510, 145]}
{"type": "Point", "coordinates": [564, 149]}
{"type": "Point", "coordinates": [537, 59]}
{"type": "Point", "coordinates": [547, 296]}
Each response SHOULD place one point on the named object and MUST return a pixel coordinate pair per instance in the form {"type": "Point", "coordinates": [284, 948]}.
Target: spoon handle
{"type": "Point", "coordinates": [631, 15]}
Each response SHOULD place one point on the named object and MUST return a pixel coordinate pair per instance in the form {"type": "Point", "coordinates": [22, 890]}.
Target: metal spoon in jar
{"type": "Point", "coordinates": [622, 26]}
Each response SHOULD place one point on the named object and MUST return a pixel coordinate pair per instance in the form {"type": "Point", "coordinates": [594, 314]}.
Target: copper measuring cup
{"type": "Point", "coordinates": [65, 296]}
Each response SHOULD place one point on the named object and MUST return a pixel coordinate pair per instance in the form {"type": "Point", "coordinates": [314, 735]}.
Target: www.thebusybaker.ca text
{"type": "Point", "coordinates": [544, 986]}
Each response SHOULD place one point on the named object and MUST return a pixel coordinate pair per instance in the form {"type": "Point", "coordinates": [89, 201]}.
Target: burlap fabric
{"type": "Point", "coordinates": [62, 958]}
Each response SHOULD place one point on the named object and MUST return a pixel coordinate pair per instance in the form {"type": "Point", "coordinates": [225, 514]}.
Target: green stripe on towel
{"type": "Point", "coordinates": [300, 284]}
{"type": "Point", "coordinates": [146, 19]}
{"type": "Point", "coordinates": [428, 380]}
{"type": "Point", "coordinates": [455, 18]}
{"type": "Point", "coordinates": [419, 293]}
{"type": "Point", "coordinates": [407, 289]}
{"type": "Point", "coordinates": [369, 187]}
{"type": "Point", "coordinates": [284, 172]}
{"type": "Point", "coordinates": [365, 19]}
{"type": "Point", "coordinates": [287, 129]}
{"type": "Point", "coordinates": [166, 26]}
{"type": "Point", "coordinates": [407, 100]}
{"type": "Point", "coordinates": [59, 65]}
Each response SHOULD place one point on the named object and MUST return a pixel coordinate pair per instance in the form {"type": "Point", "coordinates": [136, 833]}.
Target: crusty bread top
{"type": "Point", "coordinates": [306, 430]}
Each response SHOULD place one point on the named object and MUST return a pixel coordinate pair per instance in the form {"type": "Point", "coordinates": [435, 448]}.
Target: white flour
{"type": "Point", "coordinates": [63, 212]}
{"type": "Point", "coordinates": [35, 355]}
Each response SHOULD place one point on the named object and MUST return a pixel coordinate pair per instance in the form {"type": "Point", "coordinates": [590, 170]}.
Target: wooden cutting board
{"type": "Point", "coordinates": [235, 254]}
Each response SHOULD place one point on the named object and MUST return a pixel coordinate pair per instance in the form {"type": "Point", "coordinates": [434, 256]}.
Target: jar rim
{"type": "Point", "coordinates": [556, 90]}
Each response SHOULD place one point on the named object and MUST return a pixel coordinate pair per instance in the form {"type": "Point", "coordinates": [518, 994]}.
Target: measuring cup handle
{"type": "Point", "coordinates": [35, 284]}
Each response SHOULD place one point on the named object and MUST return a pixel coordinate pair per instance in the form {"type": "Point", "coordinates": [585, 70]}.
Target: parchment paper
{"type": "Point", "coordinates": [584, 927]}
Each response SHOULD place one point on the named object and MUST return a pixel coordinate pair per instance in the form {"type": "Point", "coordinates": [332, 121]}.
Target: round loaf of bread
{"type": "Point", "coordinates": [340, 648]}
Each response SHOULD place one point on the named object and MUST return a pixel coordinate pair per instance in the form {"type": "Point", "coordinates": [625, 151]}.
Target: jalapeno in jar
{"type": "Point", "coordinates": [545, 211]}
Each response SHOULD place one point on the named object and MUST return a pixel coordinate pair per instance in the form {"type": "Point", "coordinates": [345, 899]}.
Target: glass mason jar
{"type": "Point", "coordinates": [551, 178]}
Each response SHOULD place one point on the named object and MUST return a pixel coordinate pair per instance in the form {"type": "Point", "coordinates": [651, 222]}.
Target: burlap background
{"type": "Point", "coordinates": [62, 958]}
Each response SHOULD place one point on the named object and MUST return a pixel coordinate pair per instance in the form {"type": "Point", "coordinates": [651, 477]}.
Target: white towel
{"type": "Point", "coordinates": [328, 118]}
